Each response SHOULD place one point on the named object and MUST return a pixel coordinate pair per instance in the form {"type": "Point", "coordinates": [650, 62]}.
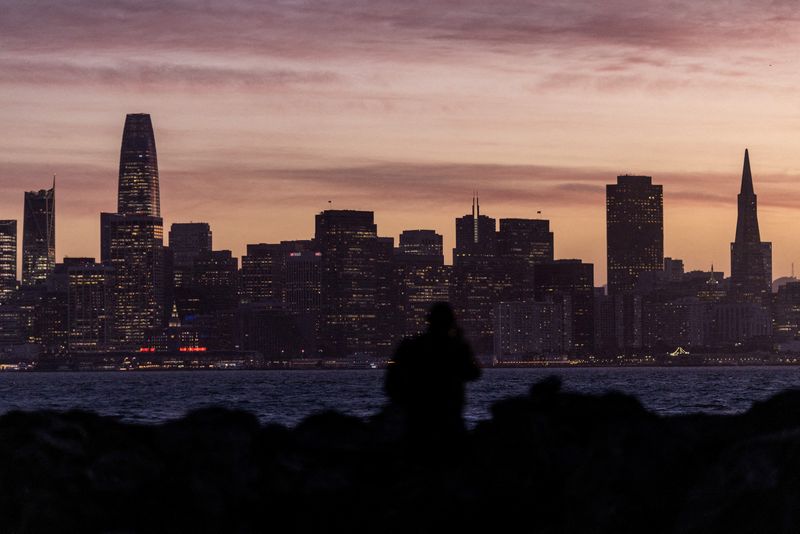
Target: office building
{"type": "Point", "coordinates": [634, 231]}
{"type": "Point", "coordinates": [351, 283]}
{"type": "Point", "coordinates": [138, 168]}
{"type": "Point", "coordinates": [572, 283]}
{"type": "Point", "coordinates": [8, 259]}
{"type": "Point", "coordinates": [39, 235]}
{"type": "Point", "coordinates": [133, 246]}
{"type": "Point", "coordinates": [751, 258]}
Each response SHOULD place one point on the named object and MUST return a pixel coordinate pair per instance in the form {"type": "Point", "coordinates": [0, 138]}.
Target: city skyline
{"type": "Point", "coordinates": [349, 293]}
{"type": "Point", "coordinates": [292, 105]}
{"type": "Point", "coordinates": [144, 131]}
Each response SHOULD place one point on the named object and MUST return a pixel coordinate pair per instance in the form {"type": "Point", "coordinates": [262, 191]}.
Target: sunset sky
{"type": "Point", "coordinates": [264, 111]}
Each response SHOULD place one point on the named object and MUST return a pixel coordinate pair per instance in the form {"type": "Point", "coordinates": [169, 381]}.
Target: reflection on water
{"type": "Point", "coordinates": [288, 396]}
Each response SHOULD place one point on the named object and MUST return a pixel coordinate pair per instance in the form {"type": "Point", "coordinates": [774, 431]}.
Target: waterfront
{"type": "Point", "coordinates": [286, 397]}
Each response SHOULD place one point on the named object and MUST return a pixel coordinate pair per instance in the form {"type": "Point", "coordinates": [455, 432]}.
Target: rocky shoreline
{"type": "Point", "coordinates": [550, 461]}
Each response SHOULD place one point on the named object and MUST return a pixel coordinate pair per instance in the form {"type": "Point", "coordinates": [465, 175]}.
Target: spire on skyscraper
{"type": "Point", "coordinates": [747, 176]}
{"type": "Point", "coordinates": [751, 258]}
{"type": "Point", "coordinates": [747, 221]}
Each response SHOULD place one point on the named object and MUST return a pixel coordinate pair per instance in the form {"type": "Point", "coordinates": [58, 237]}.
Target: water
{"type": "Point", "coordinates": [288, 396]}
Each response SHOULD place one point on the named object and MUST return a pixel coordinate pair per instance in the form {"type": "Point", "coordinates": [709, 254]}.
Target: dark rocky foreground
{"type": "Point", "coordinates": [548, 462]}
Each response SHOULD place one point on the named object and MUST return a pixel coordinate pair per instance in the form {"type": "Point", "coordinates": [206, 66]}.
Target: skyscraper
{"type": "Point", "coordinates": [188, 241]}
{"type": "Point", "coordinates": [634, 230]}
{"type": "Point", "coordinates": [474, 285]}
{"type": "Point", "coordinates": [420, 277]}
{"type": "Point", "coordinates": [571, 283]}
{"type": "Point", "coordinates": [133, 246]}
{"type": "Point", "coordinates": [132, 240]}
{"type": "Point", "coordinates": [39, 235]}
{"type": "Point", "coordinates": [8, 259]}
{"type": "Point", "coordinates": [138, 168]}
{"type": "Point", "coordinates": [88, 303]}
{"type": "Point", "coordinates": [751, 258]}
{"type": "Point", "coordinates": [522, 244]}
{"type": "Point", "coordinates": [216, 275]}
{"type": "Point", "coordinates": [263, 272]}
{"type": "Point", "coordinates": [350, 282]}
{"type": "Point", "coordinates": [302, 294]}
{"type": "Point", "coordinates": [422, 243]}
{"type": "Point", "coordinates": [528, 239]}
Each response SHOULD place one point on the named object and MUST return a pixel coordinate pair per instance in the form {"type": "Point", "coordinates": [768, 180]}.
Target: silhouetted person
{"type": "Point", "coordinates": [426, 379]}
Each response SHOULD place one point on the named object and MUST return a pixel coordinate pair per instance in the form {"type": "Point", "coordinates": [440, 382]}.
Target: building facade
{"type": "Point", "coordinates": [351, 274]}
{"type": "Point", "coordinates": [138, 168]}
{"type": "Point", "coordinates": [39, 236]}
{"type": "Point", "coordinates": [420, 277]}
{"type": "Point", "coordinates": [133, 246]}
{"type": "Point", "coordinates": [751, 258]}
{"type": "Point", "coordinates": [89, 304]}
{"type": "Point", "coordinates": [8, 259]}
{"type": "Point", "coordinates": [634, 231]}
{"type": "Point", "coordinates": [187, 241]}
{"type": "Point", "coordinates": [570, 282]}
{"type": "Point", "coordinates": [475, 280]}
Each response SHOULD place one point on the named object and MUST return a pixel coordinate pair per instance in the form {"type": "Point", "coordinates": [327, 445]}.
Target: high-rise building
{"type": "Point", "coordinates": [786, 312]}
{"type": "Point", "coordinates": [132, 240]}
{"type": "Point", "coordinates": [302, 295]}
{"type": "Point", "coordinates": [263, 272]}
{"type": "Point", "coordinates": [187, 242]}
{"type": "Point", "coordinates": [133, 246]}
{"type": "Point", "coordinates": [89, 304]}
{"type": "Point", "coordinates": [474, 287]}
{"type": "Point", "coordinates": [8, 259]}
{"type": "Point", "coordinates": [528, 239]}
{"type": "Point", "coordinates": [302, 285]}
{"type": "Point", "coordinates": [216, 276]}
{"type": "Point", "coordinates": [422, 244]}
{"type": "Point", "coordinates": [522, 244]}
{"type": "Point", "coordinates": [39, 235]}
{"type": "Point", "coordinates": [138, 168]}
{"type": "Point", "coordinates": [351, 271]}
{"type": "Point", "coordinates": [634, 231]}
{"type": "Point", "coordinates": [421, 279]}
{"type": "Point", "coordinates": [570, 282]}
{"type": "Point", "coordinates": [51, 316]}
{"type": "Point", "coordinates": [476, 234]}
{"type": "Point", "coordinates": [751, 258]}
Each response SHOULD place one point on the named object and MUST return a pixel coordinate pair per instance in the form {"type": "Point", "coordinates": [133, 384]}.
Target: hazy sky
{"type": "Point", "coordinates": [264, 111]}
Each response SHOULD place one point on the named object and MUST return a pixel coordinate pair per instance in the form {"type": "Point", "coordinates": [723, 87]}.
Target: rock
{"type": "Point", "coordinates": [549, 461]}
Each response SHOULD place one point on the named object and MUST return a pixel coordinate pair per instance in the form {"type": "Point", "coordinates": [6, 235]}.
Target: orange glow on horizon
{"type": "Point", "coordinates": [265, 113]}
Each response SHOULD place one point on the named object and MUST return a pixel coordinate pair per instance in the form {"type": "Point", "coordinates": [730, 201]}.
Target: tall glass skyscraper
{"type": "Point", "coordinates": [39, 235]}
{"type": "Point", "coordinates": [351, 280]}
{"type": "Point", "coordinates": [132, 240]}
{"type": "Point", "coordinates": [138, 168]}
{"type": "Point", "coordinates": [8, 259]}
{"type": "Point", "coordinates": [133, 246]}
